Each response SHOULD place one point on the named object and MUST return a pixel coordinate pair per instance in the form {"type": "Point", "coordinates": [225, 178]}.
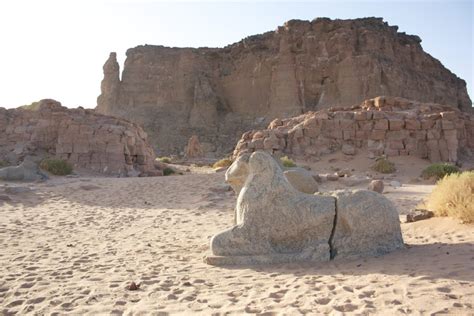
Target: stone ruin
{"type": "Point", "coordinates": [388, 126]}
{"type": "Point", "coordinates": [276, 223]}
{"type": "Point", "coordinates": [86, 139]}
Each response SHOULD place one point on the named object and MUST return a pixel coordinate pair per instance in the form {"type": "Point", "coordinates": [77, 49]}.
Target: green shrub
{"type": "Point", "coordinates": [168, 171]}
{"type": "Point", "coordinates": [454, 196]}
{"type": "Point", "coordinates": [383, 165]}
{"type": "Point", "coordinates": [3, 164]}
{"type": "Point", "coordinates": [57, 167]}
{"type": "Point", "coordinates": [164, 159]}
{"type": "Point", "coordinates": [287, 162]}
{"type": "Point", "coordinates": [439, 170]}
{"type": "Point", "coordinates": [226, 162]}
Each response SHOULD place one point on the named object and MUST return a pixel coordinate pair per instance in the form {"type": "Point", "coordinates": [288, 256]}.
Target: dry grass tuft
{"type": "Point", "coordinates": [287, 162]}
{"type": "Point", "coordinates": [453, 196]}
{"type": "Point", "coordinates": [226, 162]}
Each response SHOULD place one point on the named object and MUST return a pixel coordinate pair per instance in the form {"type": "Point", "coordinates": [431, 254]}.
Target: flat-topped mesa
{"type": "Point", "coordinates": [88, 140]}
{"type": "Point", "coordinates": [383, 125]}
{"type": "Point", "coordinates": [218, 93]}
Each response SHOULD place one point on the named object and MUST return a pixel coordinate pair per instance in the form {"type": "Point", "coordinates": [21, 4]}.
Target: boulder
{"type": "Point", "coordinates": [367, 224]}
{"type": "Point", "coordinates": [348, 149]}
{"type": "Point", "coordinates": [418, 215]}
{"type": "Point", "coordinates": [301, 180]}
{"type": "Point", "coordinates": [376, 186]}
{"type": "Point", "coordinates": [354, 180]}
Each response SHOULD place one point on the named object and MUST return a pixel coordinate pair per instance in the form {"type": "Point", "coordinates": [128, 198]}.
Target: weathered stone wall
{"type": "Point", "coordinates": [383, 125]}
{"type": "Point", "coordinates": [84, 138]}
{"type": "Point", "coordinates": [218, 93]}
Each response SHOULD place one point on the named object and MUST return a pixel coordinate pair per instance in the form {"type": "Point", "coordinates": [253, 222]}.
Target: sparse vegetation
{"type": "Point", "coordinates": [287, 162]}
{"type": "Point", "coordinates": [454, 196]}
{"type": "Point", "coordinates": [57, 167]}
{"type": "Point", "coordinates": [383, 165]}
{"type": "Point", "coordinates": [164, 159]}
{"type": "Point", "coordinates": [439, 170]}
{"type": "Point", "coordinates": [168, 171]}
{"type": "Point", "coordinates": [226, 162]}
{"type": "Point", "coordinates": [3, 164]}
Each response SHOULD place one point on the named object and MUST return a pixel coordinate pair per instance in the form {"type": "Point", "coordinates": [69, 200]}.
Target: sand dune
{"type": "Point", "coordinates": [71, 246]}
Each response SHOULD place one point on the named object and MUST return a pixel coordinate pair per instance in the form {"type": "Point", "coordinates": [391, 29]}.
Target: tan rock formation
{"type": "Point", "coordinates": [84, 138]}
{"type": "Point", "coordinates": [194, 148]}
{"type": "Point", "coordinates": [383, 125]}
{"type": "Point", "coordinates": [217, 93]}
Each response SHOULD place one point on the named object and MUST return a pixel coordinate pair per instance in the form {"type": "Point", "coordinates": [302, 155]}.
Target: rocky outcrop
{"type": "Point", "coordinates": [276, 223]}
{"type": "Point", "coordinates": [217, 93]}
{"type": "Point", "coordinates": [383, 126]}
{"type": "Point", "coordinates": [193, 149]}
{"type": "Point", "coordinates": [87, 140]}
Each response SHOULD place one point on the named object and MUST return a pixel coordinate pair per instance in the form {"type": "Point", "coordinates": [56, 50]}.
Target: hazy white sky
{"type": "Point", "coordinates": [56, 49]}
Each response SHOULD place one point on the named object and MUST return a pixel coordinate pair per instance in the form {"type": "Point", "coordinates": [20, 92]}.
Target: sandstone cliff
{"type": "Point", "coordinates": [217, 93]}
{"type": "Point", "coordinates": [389, 126]}
{"type": "Point", "coordinates": [87, 140]}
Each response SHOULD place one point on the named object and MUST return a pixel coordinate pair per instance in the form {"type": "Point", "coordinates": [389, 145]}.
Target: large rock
{"type": "Point", "coordinates": [302, 180]}
{"type": "Point", "coordinates": [367, 224]}
{"type": "Point", "coordinates": [376, 186]}
{"type": "Point", "coordinates": [218, 93]}
{"type": "Point", "coordinates": [84, 138]}
{"type": "Point", "coordinates": [275, 222]}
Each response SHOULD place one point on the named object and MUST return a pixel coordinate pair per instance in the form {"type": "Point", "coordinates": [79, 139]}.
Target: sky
{"type": "Point", "coordinates": [56, 49]}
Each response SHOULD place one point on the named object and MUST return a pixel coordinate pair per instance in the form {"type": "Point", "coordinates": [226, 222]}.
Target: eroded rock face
{"type": "Point", "coordinates": [217, 93]}
{"type": "Point", "coordinates": [277, 223]}
{"type": "Point", "coordinates": [86, 139]}
{"type": "Point", "coordinates": [194, 148]}
{"type": "Point", "coordinates": [388, 126]}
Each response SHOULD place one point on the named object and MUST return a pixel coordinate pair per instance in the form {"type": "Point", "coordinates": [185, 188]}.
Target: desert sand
{"type": "Point", "coordinates": [72, 245]}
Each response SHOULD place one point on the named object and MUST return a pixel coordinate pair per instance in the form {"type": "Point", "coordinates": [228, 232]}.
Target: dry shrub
{"type": "Point", "coordinates": [383, 165]}
{"type": "Point", "coordinates": [439, 170]}
{"type": "Point", "coordinates": [164, 159]}
{"type": "Point", "coordinates": [287, 162]}
{"type": "Point", "coordinates": [3, 164]}
{"type": "Point", "coordinates": [226, 162]}
{"type": "Point", "coordinates": [453, 196]}
{"type": "Point", "coordinates": [57, 167]}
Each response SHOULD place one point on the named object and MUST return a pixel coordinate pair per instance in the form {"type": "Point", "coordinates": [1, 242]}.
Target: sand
{"type": "Point", "coordinates": [71, 246]}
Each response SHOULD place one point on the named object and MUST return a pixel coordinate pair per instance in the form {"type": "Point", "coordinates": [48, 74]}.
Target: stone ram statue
{"type": "Point", "coordinates": [277, 223]}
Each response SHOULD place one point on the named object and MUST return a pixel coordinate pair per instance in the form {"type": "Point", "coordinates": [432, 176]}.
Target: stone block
{"type": "Point", "coordinates": [377, 135]}
{"type": "Point", "coordinates": [395, 124]}
{"type": "Point", "coordinates": [365, 125]}
{"type": "Point", "coordinates": [446, 124]}
{"type": "Point", "coordinates": [427, 124]}
{"type": "Point", "coordinates": [396, 144]}
{"type": "Point", "coordinates": [412, 124]}
{"type": "Point", "coordinates": [433, 134]}
{"type": "Point", "coordinates": [381, 124]}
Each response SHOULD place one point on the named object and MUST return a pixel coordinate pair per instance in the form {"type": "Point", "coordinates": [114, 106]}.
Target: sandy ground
{"type": "Point", "coordinates": [73, 245]}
